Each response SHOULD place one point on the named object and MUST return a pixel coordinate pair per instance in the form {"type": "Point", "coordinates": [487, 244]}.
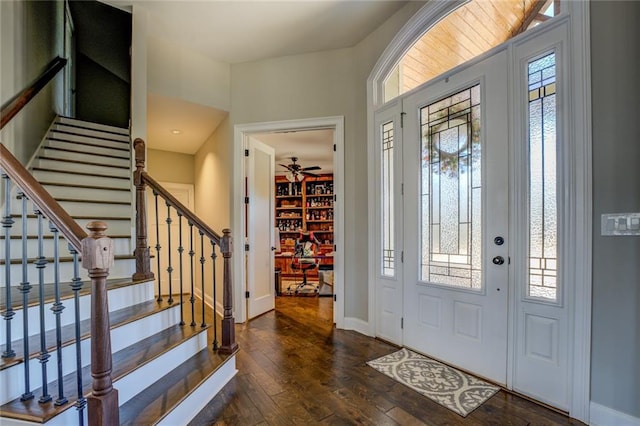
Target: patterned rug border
{"type": "Point", "coordinates": [462, 397]}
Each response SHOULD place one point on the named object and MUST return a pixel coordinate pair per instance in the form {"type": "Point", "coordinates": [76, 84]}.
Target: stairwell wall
{"type": "Point", "coordinates": [28, 43]}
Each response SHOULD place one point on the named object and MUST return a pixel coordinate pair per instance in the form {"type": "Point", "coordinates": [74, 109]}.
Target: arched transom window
{"type": "Point", "coordinates": [469, 31]}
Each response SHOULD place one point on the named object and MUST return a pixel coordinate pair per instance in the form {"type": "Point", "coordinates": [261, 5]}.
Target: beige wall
{"type": "Point", "coordinates": [172, 167]}
{"type": "Point", "coordinates": [321, 84]}
{"type": "Point", "coordinates": [213, 169]}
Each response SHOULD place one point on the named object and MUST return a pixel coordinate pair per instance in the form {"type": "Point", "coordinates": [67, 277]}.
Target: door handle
{"type": "Point", "coordinates": [498, 260]}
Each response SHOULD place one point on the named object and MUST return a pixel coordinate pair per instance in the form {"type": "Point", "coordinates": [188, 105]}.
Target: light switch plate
{"type": "Point", "coordinates": [620, 224]}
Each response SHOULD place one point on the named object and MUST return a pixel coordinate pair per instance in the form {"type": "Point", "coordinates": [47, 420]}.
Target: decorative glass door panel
{"type": "Point", "coordinates": [451, 191]}
{"type": "Point", "coordinates": [456, 163]}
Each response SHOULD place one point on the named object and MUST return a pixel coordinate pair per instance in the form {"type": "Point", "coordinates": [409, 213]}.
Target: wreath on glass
{"type": "Point", "coordinates": [451, 160]}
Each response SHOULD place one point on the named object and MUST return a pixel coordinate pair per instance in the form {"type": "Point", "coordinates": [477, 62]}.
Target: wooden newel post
{"type": "Point", "coordinates": [229, 344]}
{"type": "Point", "coordinates": [141, 252]}
{"type": "Point", "coordinates": [97, 258]}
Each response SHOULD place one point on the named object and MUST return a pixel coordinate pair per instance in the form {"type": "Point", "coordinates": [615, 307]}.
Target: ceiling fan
{"type": "Point", "coordinates": [296, 173]}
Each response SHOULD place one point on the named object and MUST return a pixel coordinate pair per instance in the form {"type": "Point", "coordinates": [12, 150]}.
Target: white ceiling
{"type": "Point", "coordinates": [195, 122]}
{"type": "Point", "coordinates": [311, 147]}
{"type": "Point", "coordinates": [236, 31]}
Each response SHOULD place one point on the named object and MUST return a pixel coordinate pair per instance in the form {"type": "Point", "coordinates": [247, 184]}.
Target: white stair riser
{"type": "Point", "coordinates": [121, 245]}
{"type": "Point", "coordinates": [121, 337]}
{"type": "Point", "coordinates": [62, 177]}
{"type": "Point", "coordinates": [122, 268]}
{"type": "Point", "coordinates": [115, 226]}
{"type": "Point", "coordinates": [143, 377]}
{"type": "Point", "coordinates": [80, 208]}
{"type": "Point", "coordinates": [119, 298]}
{"type": "Point", "coordinates": [90, 133]}
{"type": "Point", "coordinates": [200, 397]}
{"type": "Point", "coordinates": [83, 168]}
{"type": "Point", "coordinates": [96, 150]}
{"type": "Point", "coordinates": [105, 211]}
{"type": "Point", "coordinates": [61, 135]}
{"type": "Point", "coordinates": [88, 193]}
{"type": "Point", "coordinates": [88, 157]}
{"type": "Point", "coordinates": [90, 125]}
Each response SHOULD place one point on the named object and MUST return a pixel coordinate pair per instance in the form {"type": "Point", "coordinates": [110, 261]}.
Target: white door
{"type": "Point", "coordinates": [456, 219]}
{"type": "Point", "coordinates": [260, 211]}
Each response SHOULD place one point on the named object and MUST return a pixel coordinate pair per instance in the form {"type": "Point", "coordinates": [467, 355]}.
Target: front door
{"type": "Point", "coordinates": [456, 219]}
{"type": "Point", "coordinates": [260, 256]}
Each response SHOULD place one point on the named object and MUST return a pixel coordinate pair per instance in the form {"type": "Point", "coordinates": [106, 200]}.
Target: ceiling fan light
{"type": "Point", "coordinates": [291, 177]}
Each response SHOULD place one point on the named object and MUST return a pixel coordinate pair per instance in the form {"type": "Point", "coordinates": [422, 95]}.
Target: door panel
{"type": "Point", "coordinates": [388, 247]}
{"type": "Point", "coordinates": [260, 257]}
{"type": "Point", "coordinates": [456, 203]}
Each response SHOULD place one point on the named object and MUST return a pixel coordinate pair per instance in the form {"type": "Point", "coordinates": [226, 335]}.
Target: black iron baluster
{"type": "Point", "coordinates": [202, 260]}
{"type": "Point", "coordinates": [7, 223]}
{"type": "Point", "coordinates": [57, 309]}
{"type": "Point", "coordinates": [181, 251]}
{"type": "Point", "coordinates": [158, 247]}
{"type": "Point", "coordinates": [215, 299]}
{"type": "Point", "coordinates": [191, 254]}
{"type": "Point", "coordinates": [169, 268]}
{"type": "Point", "coordinates": [44, 356]}
{"type": "Point", "coordinates": [24, 288]}
{"type": "Point", "coordinates": [76, 286]}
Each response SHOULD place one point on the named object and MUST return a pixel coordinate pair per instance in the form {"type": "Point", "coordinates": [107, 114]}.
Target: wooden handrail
{"type": "Point", "coordinates": [15, 105]}
{"type": "Point", "coordinates": [34, 191]}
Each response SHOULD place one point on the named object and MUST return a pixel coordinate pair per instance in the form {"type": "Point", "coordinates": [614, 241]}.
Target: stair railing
{"type": "Point", "coordinates": [103, 400]}
{"type": "Point", "coordinates": [189, 227]}
{"type": "Point", "coordinates": [15, 105]}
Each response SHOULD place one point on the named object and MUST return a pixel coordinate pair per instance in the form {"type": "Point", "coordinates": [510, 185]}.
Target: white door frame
{"type": "Point", "coordinates": [241, 134]}
{"type": "Point", "coordinates": [580, 232]}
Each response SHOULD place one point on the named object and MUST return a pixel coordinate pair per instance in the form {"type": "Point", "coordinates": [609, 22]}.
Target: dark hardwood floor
{"type": "Point", "coordinates": [295, 368]}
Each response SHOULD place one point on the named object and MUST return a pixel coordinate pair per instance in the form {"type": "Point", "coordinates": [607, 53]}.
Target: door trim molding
{"type": "Point", "coordinates": [241, 133]}
{"type": "Point", "coordinates": [579, 266]}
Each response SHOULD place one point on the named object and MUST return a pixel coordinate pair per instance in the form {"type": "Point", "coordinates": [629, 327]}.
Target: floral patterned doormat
{"type": "Point", "coordinates": [453, 389]}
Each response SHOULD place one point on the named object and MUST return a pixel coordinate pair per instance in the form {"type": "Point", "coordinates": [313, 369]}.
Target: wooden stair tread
{"type": "Point", "coordinates": [75, 151]}
{"type": "Point", "coordinates": [80, 200]}
{"type": "Point", "coordinates": [75, 185]}
{"type": "Point", "coordinates": [150, 405]}
{"type": "Point", "coordinates": [89, 163]}
{"type": "Point", "coordinates": [116, 319]}
{"type": "Point", "coordinates": [73, 172]}
{"type": "Point", "coordinates": [65, 132]}
{"type": "Point", "coordinates": [127, 149]}
{"type": "Point", "coordinates": [124, 362]}
{"type": "Point", "coordinates": [83, 217]}
{"type": "Point", "coordinates": [64, 120]}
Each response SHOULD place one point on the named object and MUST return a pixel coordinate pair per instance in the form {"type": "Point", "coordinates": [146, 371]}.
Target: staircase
{"type": "Point", "coordinates": [164, 367]}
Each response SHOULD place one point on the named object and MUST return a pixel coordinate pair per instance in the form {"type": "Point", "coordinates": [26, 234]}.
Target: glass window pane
{"type": "Point", "coordinates": [543, 215]}
{"type": "Point", "coordinates": [466, 33]}
{"type": "Point", "coordinates": [451, 189]}
{"type": "Point", "coordinates": [388, 231]}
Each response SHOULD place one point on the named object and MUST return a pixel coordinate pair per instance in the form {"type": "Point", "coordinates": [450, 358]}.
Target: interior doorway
{"type": "Point", "coordinates": [292, 225]}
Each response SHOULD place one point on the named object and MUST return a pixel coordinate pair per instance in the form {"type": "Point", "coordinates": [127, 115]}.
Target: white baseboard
{"type": "Point", "coordinates": [604, 416]}
{"type": "Point", "coordinates": [358, 325]}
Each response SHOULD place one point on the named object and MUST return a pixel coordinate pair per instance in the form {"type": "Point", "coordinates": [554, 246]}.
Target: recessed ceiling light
{"type": "Point", "coordinates": [176, 131]}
